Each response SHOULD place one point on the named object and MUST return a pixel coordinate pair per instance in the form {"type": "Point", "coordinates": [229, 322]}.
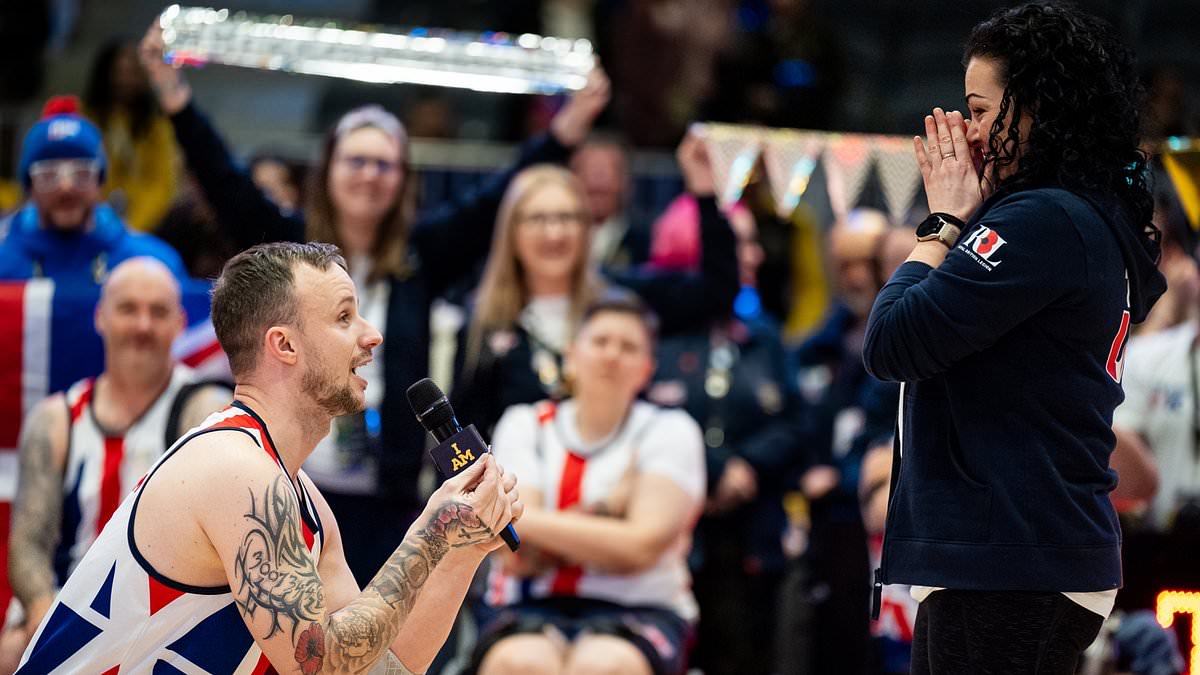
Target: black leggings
{"type": "Point", "coordinates": [1009, 633]}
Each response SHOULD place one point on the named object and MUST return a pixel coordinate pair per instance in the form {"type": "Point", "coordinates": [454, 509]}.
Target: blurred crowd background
{"type": "Point", "coordinates": [782, 557]}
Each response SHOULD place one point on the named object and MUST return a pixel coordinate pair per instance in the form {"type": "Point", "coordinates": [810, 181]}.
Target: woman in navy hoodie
{"type": "Point", "coordinates": [1007, 326]}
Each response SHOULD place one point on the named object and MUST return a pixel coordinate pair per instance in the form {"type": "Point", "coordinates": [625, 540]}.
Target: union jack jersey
{"type": "Point", "coordinates": [103, 467]}
{"type": "Point", "coordinates": [117, 614]}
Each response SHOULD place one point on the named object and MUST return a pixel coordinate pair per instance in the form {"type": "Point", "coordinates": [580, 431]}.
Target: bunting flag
{"type": "Point", "coordinates": [733, 151]}
{"type": "Point", "coordinates": [1182, 162]}
{"type": "Point", "coordinates": [899, 175]}
{"type": "Point", "coordinates": [790, 158]}
{"type": "Point", "coordinates": [48, 341]}
{"type": "Point", "coordinates": [847, 163]}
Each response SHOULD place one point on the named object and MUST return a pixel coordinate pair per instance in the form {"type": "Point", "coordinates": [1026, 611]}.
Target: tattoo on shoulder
{"type": "Point", "coordinates": [274, 570]}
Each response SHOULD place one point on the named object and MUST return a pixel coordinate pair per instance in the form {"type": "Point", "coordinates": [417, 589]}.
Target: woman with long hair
{"type": "Point", "coordinates": [361, 198]}
{"type": "Point", "coordinates": [143, 161]}
{"type": "Point", "coordinates": [538, 279]}
{"type": "Point", "coordinates": [1007, 326]}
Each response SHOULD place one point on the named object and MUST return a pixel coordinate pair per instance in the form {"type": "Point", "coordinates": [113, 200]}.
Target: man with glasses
{"type": "Point", "coordinates": [65, 232]}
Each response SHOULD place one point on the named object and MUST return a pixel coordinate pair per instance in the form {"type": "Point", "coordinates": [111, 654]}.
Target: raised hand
{"type": "Point", "coordinates": [695, 165]}
{"type": "Point", "coordinates": [573, 123]}
{"type": "Point", "coordinates": [167, 81]}
{"type": "Point", "coordinates": [951, 180]}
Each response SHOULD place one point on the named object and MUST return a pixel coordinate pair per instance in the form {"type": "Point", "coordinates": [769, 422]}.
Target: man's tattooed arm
{"type": "Point", "coordinates": [37, 510]}
{"type": "Point", "coordinates": [276, 584]}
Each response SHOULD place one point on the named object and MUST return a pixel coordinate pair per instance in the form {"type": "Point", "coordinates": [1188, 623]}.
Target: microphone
{"type": "Point", "coordinates": [458, 447]}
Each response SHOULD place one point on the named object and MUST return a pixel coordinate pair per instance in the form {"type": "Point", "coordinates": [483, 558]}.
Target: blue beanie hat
{"type": "Point", "coordinates": [61, 133]}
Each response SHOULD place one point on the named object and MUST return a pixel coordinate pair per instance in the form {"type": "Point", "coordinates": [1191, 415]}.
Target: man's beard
{"type": "Point", "coordinates": [333, 400]}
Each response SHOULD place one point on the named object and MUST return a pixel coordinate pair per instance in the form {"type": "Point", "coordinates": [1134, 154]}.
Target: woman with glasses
{"type": "Point", "coordinates": [538, 279]}
{"type": "Point", "coordinates": [361, 198]}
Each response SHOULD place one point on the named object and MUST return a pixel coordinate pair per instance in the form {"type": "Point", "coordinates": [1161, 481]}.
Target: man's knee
{"type": "Point", "coordinates": [606, 655]}
{"type": "Point", "coordinates": [523, 655]}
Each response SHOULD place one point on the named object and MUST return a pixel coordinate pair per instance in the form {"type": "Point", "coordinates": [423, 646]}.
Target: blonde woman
{"type": "Point", "coordinates": [538, 279]}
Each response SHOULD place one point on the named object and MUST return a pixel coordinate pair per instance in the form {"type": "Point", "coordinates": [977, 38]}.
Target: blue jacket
{"type": "Point", "coordinates": [1011, 354]}
{"type": "Point", "coordinates": [28, 250]}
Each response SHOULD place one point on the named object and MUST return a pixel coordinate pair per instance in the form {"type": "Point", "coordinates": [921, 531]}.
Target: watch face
{"type": "Point", "coordinates": [930, 226]}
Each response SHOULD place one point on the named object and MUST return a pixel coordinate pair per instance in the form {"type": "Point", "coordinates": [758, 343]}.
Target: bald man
{"type": "Point", "coordinates": [854, 243]}
{"type": "Point", "coordinates": [83, 450]}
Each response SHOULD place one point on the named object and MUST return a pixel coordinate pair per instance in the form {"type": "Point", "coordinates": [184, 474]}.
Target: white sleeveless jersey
{"type": "Point", "coordinates": [102, 468]}
{"type": "Point", "coordinates": [539, 444]}
{"type": "Point", "coordinates": [116, 614]}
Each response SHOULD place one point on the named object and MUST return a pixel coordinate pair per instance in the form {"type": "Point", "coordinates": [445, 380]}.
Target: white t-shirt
{"type": "Point", "coordinates": [328, 467]}
{"type": "Point", "coordinates": [539, 443]}
{"type": "Point", "coordinates": [547, 320]}
{"type": "Point", "coordinates": [1160, 405]}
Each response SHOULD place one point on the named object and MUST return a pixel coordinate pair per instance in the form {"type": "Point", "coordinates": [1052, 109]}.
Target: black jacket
{"type": "Point", "coordinates": [1011, 353]}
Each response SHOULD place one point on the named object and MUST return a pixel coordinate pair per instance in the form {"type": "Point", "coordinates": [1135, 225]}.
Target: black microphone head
{"type": "Point", "coordinates": [429, 404]}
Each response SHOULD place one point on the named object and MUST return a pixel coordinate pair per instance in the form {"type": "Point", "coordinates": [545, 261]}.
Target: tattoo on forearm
{"type": "Point", "coordinates": [359, 632]}
{"type": "Point", "coordinates": [274, 570]}
{"type": "Point", "coordinates": [37, 514]}
{"type": "Point", "coordinates": [275, 574]}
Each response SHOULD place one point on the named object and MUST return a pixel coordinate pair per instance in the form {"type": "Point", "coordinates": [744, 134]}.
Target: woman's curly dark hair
{"type": "Point", "coordinates": [1079, 85]}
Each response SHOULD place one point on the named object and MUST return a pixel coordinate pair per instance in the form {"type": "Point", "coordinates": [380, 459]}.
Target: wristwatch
{"type": "Point", "coordinates": [941, 227]}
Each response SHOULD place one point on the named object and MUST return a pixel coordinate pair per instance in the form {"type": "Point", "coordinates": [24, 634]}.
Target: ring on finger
{"type": "Point", "coordinates": [948, 155]}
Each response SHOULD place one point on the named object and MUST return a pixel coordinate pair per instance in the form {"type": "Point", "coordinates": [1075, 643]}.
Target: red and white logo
{"type": "Point", "coordinates": [985, 243]}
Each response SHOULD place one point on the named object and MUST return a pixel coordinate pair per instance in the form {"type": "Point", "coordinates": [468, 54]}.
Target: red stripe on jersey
{"type": "Point", "coordinates": [570, 490]}
{"type": "Point", "coordinates": [545, 412]}
{"type": "Point", "coordinates": [85, 397]}
{"type": "Point", "coordinates": [161, 595]}
{"type": "Point", "coordinates": [114, 670]}
{"type": "Point", "coordinates": [12, 364]}
{"type": "Point", "coordinates": [110, 480]}
{"type": "Point", "coordinates": [263, 667]}
{"type": "Point", "coordinates": [309, 537]}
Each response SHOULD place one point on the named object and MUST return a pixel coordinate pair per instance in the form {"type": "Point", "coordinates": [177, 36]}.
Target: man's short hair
{"type": "Point", "coordinates": [255, 292]}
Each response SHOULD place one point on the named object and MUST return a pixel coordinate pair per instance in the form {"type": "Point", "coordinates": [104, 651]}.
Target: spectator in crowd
{"type": "Point", "coordinates": [732, 378]}
{"type": "Point", "coordinates": [538, 279]}
{"type": "Point", "coordinates": [277, 179]}
{"type": "Point", "coordinates": [602, 167]}
{"type": "Point", "coordinates": [849, 408]}
{"type": "Point", "coordinates": [82, 450]}
{"type": "Point", "coordinates": [360, 198]}
{"type": "Point", "coordinates": [612, 487]}
{"type": "Point", "coordinates": [1157, 459]}
{"type": "Point", "coordinates": [65, 232]}
{"type": "Point", "coordinates": [191, 228]}
{"type": "Point", "coordinates": [143, 162]}
{"type": "Point", "coordinates": [892, 632]}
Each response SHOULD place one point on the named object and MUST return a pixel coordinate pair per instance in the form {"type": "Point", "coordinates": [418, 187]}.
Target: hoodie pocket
{"type": "Point", "coordinates": [937, 499]}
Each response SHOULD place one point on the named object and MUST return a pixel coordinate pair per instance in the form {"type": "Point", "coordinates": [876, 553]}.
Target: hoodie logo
{"type": "Point", "coordinates": [985, 243]}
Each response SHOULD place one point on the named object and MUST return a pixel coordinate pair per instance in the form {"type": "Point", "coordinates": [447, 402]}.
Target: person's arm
{"type": "Point", "coordinates": [428, 624]}
{"type": "Point", "coordinates": [925, 319]}
{"type": "Point", "coordinates": [1136, 469]}
{"type": "Point", "coordinates": [243, 211]}
{"type": "Point", "coordinates": [666, 496]}
{"type": "Point", "coordinates": [454, 236]}
{"type": "Point", "coordinates": [202, 402]}
{"type": "Point", "coordinates": [252, 520]}
{"type": "Point", "coordinates": [690, 299]}
{"type": "Point", "coordinates": [37, 509]}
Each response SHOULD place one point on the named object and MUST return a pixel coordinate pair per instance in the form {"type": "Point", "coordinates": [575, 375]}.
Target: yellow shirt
{"type": "Point", "coordinates": [143, 172]}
